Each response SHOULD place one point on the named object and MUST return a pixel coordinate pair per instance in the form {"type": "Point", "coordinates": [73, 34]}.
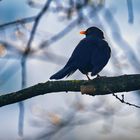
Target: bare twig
{"type": "Point", "coordinates": [37, 19]}
{"type": "Point", "coordinates": [32, 34]}
{"type": "Point", "coordinates": [122, 43]}
{"type": "Point", "coordinates": [123, 101]}
{"type": "Point", "coordinates": [23, 62]}
{"type": "Point", "coordinates": [19, 21]}
{"type": "Point", "coordinates": [130, 11]}
{"type": "Point", "coordinates": [59, 35]}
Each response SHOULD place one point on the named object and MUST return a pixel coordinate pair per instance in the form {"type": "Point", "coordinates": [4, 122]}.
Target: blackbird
{"type": "Point", "coordinates": [90, 55]}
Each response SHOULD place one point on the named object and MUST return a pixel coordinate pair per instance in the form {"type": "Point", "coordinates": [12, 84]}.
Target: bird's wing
{"type": "Point", "coordinates": [100, 56]}
{"type": "Point", "coordinates": [81, 54]}
{"type": "Point", "coordinates": [73, 63]}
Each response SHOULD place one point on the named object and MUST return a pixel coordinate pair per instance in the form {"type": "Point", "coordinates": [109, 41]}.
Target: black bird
{"type": "Point", "coordinates": [90, 55]}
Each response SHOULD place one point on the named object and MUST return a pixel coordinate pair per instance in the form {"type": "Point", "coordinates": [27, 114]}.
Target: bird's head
{"type": "Point", "coordinates": [93, 31]}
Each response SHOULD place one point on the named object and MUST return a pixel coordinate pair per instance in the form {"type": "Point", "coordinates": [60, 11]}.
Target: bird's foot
{"type": "Point", "coordinates": [88, 77]}
{"type": "Point", "coordinates": [98, 76]}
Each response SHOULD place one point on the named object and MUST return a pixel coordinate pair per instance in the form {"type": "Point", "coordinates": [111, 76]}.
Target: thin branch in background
{"type": "Point", "coordinates": [116, 34]}
{"type": "Point", "coordinates": [59, 35]}
{"type": "Point", "coordinates": [32, 34]}
{"type": "Point", "coordinates": [130, 11]}
{"type": "Point", "coordinates": [34, 4]}
{"type": "Point", "coordinates": [18, 22]}
{"type": "Point", "coordinates": [58, 123]}
{"type": "Point", "coordinates": [21, 104]}
{"type": "Point", "coordinates": [10, 47]}
{"type": "Point", "coordinates": [70, 9]}
{"type": "Point", "coordinates": [49, 57]}
{"type": "Point", "coordinates": [23, 64]}
{"type": "Point", "coordinates": [21, 118]}
{"type": "Point", "coordinates": [36, 22]}
{"type": "Point", "coordinates": [123, 101]}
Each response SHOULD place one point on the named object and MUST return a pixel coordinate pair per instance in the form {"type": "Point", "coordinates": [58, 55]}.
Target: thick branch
{"type": "Point", "coordinates": [98, 86]}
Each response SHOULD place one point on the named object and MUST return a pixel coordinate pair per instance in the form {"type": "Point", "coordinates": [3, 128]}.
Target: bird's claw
{"type": "Point", "coordinates": [98, 76]}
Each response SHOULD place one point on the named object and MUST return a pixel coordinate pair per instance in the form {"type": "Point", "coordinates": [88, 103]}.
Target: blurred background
{"type": "Point", "coordinates": [29, 56]}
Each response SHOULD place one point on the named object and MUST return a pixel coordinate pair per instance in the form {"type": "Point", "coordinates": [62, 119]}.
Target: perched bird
{"type": "Point", "coordinates": [90, 55]}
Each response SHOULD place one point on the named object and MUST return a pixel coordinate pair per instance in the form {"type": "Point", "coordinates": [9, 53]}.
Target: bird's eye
{"type": "Point", "coordinates": [88, 31]}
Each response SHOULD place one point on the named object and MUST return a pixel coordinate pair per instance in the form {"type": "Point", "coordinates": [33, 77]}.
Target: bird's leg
{"type": "Point", "coordinates": [98, 76]}
{"type": "Point", "coordinates": [88, 77]}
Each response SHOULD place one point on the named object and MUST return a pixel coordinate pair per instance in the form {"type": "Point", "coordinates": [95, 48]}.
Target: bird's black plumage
{"type": "Point", "coordinates": [90, 55]}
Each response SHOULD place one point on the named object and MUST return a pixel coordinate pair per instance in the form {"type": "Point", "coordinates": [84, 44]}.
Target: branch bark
{"type": "Point", "coordinates": [97, 86]}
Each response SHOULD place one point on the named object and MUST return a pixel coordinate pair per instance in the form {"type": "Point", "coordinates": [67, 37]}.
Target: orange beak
{"type": "Point", "coordinates": [83, 32]}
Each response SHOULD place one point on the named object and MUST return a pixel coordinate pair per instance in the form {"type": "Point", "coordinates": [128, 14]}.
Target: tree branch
{"type": "Point", "coordinates": [97, 86]}
{"type": "Point", "coordinates": [19, 21]}
{"type": "Point", "coordinates": [123, 101]}
{"type": "Point", "coordinates": [35, 25]}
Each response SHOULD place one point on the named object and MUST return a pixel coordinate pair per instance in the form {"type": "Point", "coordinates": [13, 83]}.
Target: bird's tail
{"type": "Point", "coordinates": [66, 71]}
